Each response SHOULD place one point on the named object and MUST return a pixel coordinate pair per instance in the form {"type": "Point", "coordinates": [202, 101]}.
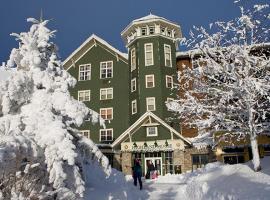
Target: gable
{"type": "Point", "coordinates": [137, 133]}
{"type": "Point", "coordinates": [93, 41]}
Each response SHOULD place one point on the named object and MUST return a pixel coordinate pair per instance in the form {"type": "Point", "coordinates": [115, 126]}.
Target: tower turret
{"type": "Point", "coordinates": [151, 43]}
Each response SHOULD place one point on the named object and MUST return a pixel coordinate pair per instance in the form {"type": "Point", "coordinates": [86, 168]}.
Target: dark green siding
{"type": "Point", "coordinates": [160, 92]}
{"type": "Point", "coordinates": [120, 101]}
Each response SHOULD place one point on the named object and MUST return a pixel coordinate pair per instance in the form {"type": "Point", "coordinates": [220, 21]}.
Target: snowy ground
{"type": "Point", "coordinates": [214, 182]}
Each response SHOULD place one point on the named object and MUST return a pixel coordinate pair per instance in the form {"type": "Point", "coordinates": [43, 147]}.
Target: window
{"type": "Point", "coordinates": [151, 30]}
{"type": "Point", "coordinates": [151, 104]}
{"type": "Point", "coordinates": [143, 30]}
{"type": "Point", "coordinates": [169, 81]}
{"type": "Point", "coordinates": [85, 133]}
{"type": "Point", "coordinates": [149, 81]}
{"type": "Point", "coordinates": [106, 69]}
{"type": "Point", "coordinates": [133, 84]}
{"type": "Point", "coordinates": [151, 131]}
{"type": "Point", "coordinates": [84, 95]}
{"type": "Point", "coordinates": [106, 93]}
{"type": "Point", "coordinates": [168, 166]}
{"type": "Point", "coordinates": [85, 72]}
{"type": "Point", "coordinates": [134, 107]}
{"type": "Point", "coordinates": [199, 161]}
{"type": "Point", "coordinates": [106, 134]}
{"type": "Point", "coordinates": [148, 52]}
{"type": "Point", "coordinates": [167, 55]}
{"type": "Point", "coordinates": [169, 33]}
{"type": "Point", "coordinates": [106, 113]}
{"type": "Point", "coordinates": [133, 59]}
{"type": "Point", "coordinates": [163, 30]}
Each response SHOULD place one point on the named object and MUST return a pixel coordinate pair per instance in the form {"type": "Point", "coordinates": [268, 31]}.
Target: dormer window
{"type": "Point", "coordinates": [169, 33]}
{"type": "Point", "coordinates": [151, 30]}
{"type": "Point", "coordinates": [163, 31]}
{"type": "Point", "coordinates": [144, 31]}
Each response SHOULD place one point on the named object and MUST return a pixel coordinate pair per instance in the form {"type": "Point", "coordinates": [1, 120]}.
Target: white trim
{"type": "Point", "coordinates": [106, 129]}
{"type": "Point", "coordinates": [149, 75]}
{"type": "Point", "coordinates": [85, 131]}
{"type": "Point", "coordinates": [84, 65]}
{"type": "Point", "coordinates": [133, 81]}
{"type": "Point", "coordinates": [147, 131]}
{"type": "Point", "coordinates": [153, 161]}
{"type": "Point", "coordinates": [150, 51]}
{"type": "Point", "coordinates": [147, 103]}
{"type": "Point", "coordinates": [105, 89]}
{"type": "Point", "coordinates": [140, 120]}
{"type": "Point", "coordinates": [167, 76]}
{"type": "Point", "coordinates": [169, 99]}
{"type": "Point", "coordinates": [134, 101]}
{"type": "Point", "coordinates": [96, 38]}
{"type": "Point", "coordinates": [133, 54]}
{"type": "Point", "coordinates": [84, 91]}
{"type": "Point", "coordinates": [106, 109]}
{"type": "Point", "coordinates": [170, 52]}
{"type": "Point", "coordinates": [106, 62]}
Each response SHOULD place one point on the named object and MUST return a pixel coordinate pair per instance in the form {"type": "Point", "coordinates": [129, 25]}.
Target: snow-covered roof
{"type": "Point", "coordinates": [151, 18]}
{"type": "Point", "coordinates": [97, 39]}
{"type": "Point", "coordinates": [194, 52]}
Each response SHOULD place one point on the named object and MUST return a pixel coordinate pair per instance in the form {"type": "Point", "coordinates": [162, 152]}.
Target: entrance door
{"type": "Point", "coordinates": [157, 162]}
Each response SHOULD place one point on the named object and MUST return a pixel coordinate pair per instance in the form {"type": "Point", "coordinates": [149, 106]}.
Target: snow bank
{"type": "Point", "coordinates": [223, 182]}
{"type": "Point", "coordinates": [116, 186]}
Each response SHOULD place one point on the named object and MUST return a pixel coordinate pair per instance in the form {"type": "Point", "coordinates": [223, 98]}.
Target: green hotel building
{"type": "Point", "coordinates": [130, 92]}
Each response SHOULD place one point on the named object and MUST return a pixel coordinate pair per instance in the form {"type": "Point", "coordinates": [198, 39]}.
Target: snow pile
{"type": "Point", "coordinates": [42, 154]}
{"type": "Point", "coordinates": [117, 186]}
{"type": "Point", "coordinates": [219, 182]}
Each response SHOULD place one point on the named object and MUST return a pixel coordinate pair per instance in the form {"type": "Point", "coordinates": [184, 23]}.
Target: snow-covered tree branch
{"type": "Point", "coordinates": [39, 143]}
{"type": "Point", "coordinates": [229, 85]}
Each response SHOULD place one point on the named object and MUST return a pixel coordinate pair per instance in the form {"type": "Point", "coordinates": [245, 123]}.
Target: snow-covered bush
{"type": "Point", "coordinates": [228, 88]}
{"type": "Point", "coordinates": [42, 154]}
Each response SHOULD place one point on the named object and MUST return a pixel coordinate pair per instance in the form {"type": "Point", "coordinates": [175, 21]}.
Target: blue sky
{"type": "Point", "coordinates": [76, 20]}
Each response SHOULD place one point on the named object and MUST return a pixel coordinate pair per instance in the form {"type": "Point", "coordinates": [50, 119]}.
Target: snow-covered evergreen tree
{"type": "Point", "coordinates": [42, 154]}
{"type": "Point", "coordinates": [228, 88]}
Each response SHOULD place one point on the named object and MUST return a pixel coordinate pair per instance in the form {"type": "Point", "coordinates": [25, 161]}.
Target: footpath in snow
{"type": "Point", "coordinates": [214, 182]}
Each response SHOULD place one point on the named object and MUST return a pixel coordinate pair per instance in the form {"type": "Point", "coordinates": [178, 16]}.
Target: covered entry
{"type": "Point", "coordinates": [150, 139]}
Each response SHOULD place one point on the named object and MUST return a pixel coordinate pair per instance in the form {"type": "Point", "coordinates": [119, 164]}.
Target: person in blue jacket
{"type": "Point", "coordinates": [137, 173]}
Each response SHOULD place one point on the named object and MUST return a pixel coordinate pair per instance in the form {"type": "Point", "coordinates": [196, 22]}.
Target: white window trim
{"type": "Point", "coordinates": [166, 45]}
{"type": "Point", "coordinates": [106, 93]}
{"type": "Point", "coordinates": [84, 95]}
{"type": "Point", "coordinates": [83, 131]}
{"type": "Point", "coordinates": [80, 72]}
{"type": "Point", "coordinates": [133, 65]}
{"type": "Point", "coordinates": [134, 101]}
{"type": "Point", "coordinates": [149, 75]}
{"type": "Point", "coordinates": [109, 61]}
{"type": "Point", "coordinates": [106, 112]}
{"type": "Point", "coordinates": [147, 131]}
{"type": "Point", "coordinates": [152, 61]}
{"type": "Point", "coordinates": [148, 98]}
{"type": "Point", "coordinates": [169, 99]}
{"type": "Point", "coordinates": [167, 76]}
{"type": "Point", "coordinates": [135, 82]}
{"type": "Point", "coordinates": [106, 133]}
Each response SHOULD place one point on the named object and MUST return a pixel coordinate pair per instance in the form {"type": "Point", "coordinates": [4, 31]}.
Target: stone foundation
{"type": "Point", "coordinates": [126, 163]}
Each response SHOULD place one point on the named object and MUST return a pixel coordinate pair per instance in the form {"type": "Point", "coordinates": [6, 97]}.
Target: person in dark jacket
{"type": "Point", "coordinates": [137, 173]}
{"type": "Point", "coordinates": [151, 169]}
